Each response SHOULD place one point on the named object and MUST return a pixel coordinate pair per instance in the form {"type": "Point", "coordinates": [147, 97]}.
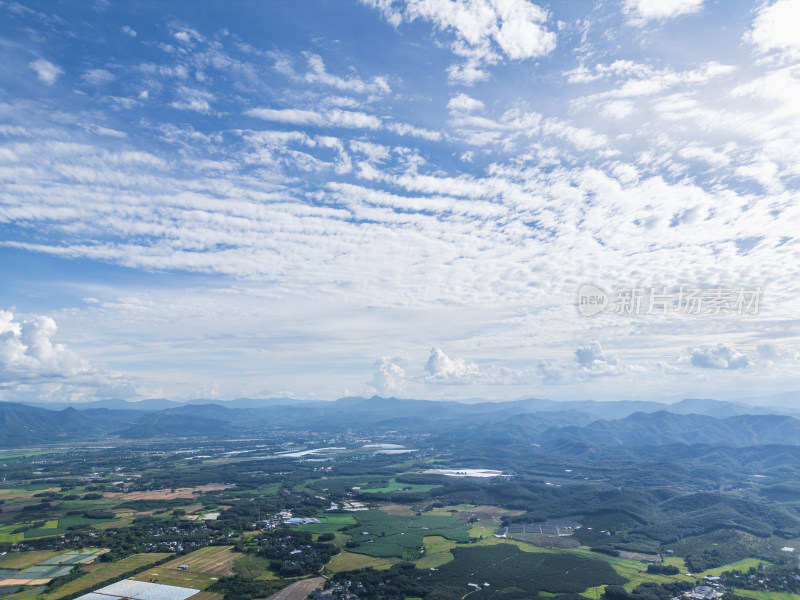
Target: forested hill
{"type": "Point", "coordinates": [532, 421]}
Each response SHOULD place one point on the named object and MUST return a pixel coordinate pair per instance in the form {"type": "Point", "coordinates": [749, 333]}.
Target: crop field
{"type": "Point", "coordinates": [212, 560]}
{"type": "Point", "coordinates": [505, 566]}
{"type": "Point", "coordinates": [104, 573]}
{"type": "Point", "coordinates": [383, 535]}
{"type": "Point", "coordinates": [740, 565]}
{"type": "Point", "coordinates": [57, 527]}
{"type": "Point", "coordinates": [438, 552]}
{"type": "Point", "coordinates": [167, 493]}
{"type": "Point", "coordinates": [253, 567]}
{"type": "Point", "coordinates": [348, 561]}
{"type": "Point", "coordinates": [763, 595]}
{"type": "Point", "coordinates": [330, 523]}
{"type": "Point", "coordinates": [483, 528]}
{"type": "Point", "coordinates": [21, 560]}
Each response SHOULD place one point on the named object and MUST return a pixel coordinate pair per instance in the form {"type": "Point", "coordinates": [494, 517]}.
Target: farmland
{"type": "Point", "coordinates": [205, 567]}
{"type": "Point", "coordinates": [382, 535]}
{"type": "Point", "coordinates": [105, 572]}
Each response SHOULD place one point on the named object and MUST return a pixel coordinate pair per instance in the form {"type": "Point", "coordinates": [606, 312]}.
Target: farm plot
{"type": "Point", "coordinates": [104, 573]}
{"type": "Point", "coordinates": [167, 493]}
{"type": "Point", "coordinates": [505, 566]}
{"type": "Point", "coordinates": [382, 535]}
{"type": "Point", "coordinates": [328, 523]}
{"type": "Point", "coordinates": [206, 566]}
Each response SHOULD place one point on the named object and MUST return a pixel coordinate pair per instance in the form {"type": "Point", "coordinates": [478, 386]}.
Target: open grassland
{"type": "Point", "coordinates": [762, 595]}
{"type": "Point", "coordinates": [105, 572]}
{"type": "Point", "coordinates": [739, 565]}
{"type": "Point", "coordinates": [675, 561]}
{"type": "Point", "coordinates": [395, 486]}
{"type": "Point", "coordinates": [22, 560]}
{"type": "Point", "coordinates": [483, 528]}
{"type": "Point", "coordinates": [398, 510]}
{"type": "Point", "coordinates": [438, 551]}
{"type": "Point", "coordinates": [253, 567]}
{"type": "Point", "coordinates": [348, 561]}
{"type": "Point", "coordinates": [212, 560]}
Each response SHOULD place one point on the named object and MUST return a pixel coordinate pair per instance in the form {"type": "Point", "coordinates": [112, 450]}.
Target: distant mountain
{"type": "Point", "coordinates": [22, 425]}
{"type": "Point", "coordinates": [663, 428]}
{"type": "Point", "coordinates": [584, 423]}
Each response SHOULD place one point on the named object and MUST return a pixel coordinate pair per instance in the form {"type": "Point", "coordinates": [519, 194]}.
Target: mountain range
{"type": "Point", "coordinates": [621, 423]}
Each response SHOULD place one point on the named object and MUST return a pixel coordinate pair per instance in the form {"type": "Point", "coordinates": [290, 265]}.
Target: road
{"type": "Point", "coordinates": [298, 590]}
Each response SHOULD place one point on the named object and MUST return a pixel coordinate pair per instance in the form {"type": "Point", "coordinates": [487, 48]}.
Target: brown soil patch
{"type": "Point", "coordinates": [399, 510]}
{"type": "Point", "coordinates": [168, 493]}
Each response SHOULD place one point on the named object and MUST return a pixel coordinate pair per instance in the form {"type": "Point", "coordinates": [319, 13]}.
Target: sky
{"type": "Point", "coordinates": [441, 199]}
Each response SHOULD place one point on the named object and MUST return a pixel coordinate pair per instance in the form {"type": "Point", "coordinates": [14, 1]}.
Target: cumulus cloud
{"type": "Point", "coordinates": [463, 103]}
{"type": "Point", "coordinates": [775, 353]}
{"type": "Point", "coordinates": [388, 377]}
{"type": "Point", "coordinates": [46, 71]}
{"type": "Point", "coordinates": [27, 351]}
{"type": "Point", "coordinates": [483, 31]}
{"type": "Point", "coordinates": [128, 30]}
{"type": "Point", "coordinates": [775, 27]}
{"type": "Point", "coordinates": [593, 360]}
{"type": "Point", "coordinates": [721, 356]}
{"type": "Point", "coordinates": [441, 366]}
{"type": "Point", "coordinates": [640, 12]}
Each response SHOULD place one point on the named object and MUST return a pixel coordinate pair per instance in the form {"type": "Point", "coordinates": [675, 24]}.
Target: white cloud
{"type": "Point", "coordinates": [616, 109]}
{"type": "Point", "coordinates": [97, 77]}
{"type": "Point", "coordinates": [640, 12]}
{"type": "Point", "coordinates": [594, 361]}
{"type": "Point", "coordinates": [318, 74]}
{"type": "Point", "coordinates": [777, 353]}
{"type": "Point", "coordinates": [332, 118]}
{"type": "Point", "coordinates": [294, 116]}
{"type": "Point", "coordinates": [441, 366]}
{"type": "Point", "coordinates": [128, 30]}
{"type": "Point", "coordinates": [46, 71]}
{"type": "Point", "coordinates": [775, 27]}
{"type": "Point", "coordinates": [721, 356]}
{"type": "Point", "coordinates": [27, 351]}
{"type": "Point", "coordinates": [388, 378]}
{"type": "Point", "coordinates": [483, 30]}
{"type": "Point", "coordinates": [463, 103]}
{"type": "Point", "coordinates": [194, 100]}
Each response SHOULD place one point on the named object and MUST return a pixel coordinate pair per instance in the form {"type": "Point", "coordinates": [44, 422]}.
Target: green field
{"type": "Point", "coordinates": [438, 552]}
{"type": "Point", "coordinates": [382, 535]}
{"type": "Point", "coordinates": [253, 567]}
{"type": "Point", "coordinates": [348, 561]}
{"type": "Point", "coordinates": [330, 523]}
{"type": "Point", "coordinates": [740, 565]}
{"type": "Point", "coordinates": [394, 486]}
{"type": "Point", "coordinates": [762, 595]}
{"type": "Point", "coordinates": [22, 560]}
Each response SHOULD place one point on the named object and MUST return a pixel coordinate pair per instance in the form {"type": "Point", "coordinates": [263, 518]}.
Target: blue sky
{"type": "Point", "coordinates": [398, 197]}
